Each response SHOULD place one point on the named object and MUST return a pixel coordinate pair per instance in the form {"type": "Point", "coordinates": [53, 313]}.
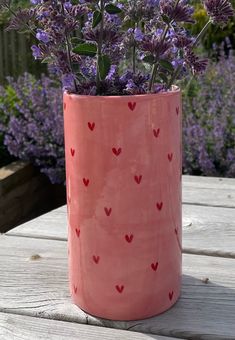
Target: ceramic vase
{"type": "Point", "coordinates": [123, 170]}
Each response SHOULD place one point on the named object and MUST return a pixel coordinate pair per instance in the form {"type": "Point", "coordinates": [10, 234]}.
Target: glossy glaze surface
{"type": "Point", "coordinates": [123, 163]}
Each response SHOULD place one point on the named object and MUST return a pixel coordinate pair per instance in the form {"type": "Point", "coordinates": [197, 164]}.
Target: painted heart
{"type": "Point", "coordinates": [91, 126]}
{"type": "Point", "coordinates": [138, 179]}
{"type": "Point", "coordinates": [171, 294]}
{"type": "Point", "coordinates": [154, 266]}
{"type": "Point", "coordinates": [78, 232]}
{"type": "Point", "coordinates": [156, 133]}
{"type": "Point", "coordinates": [65, 106]}
{"type": "Point", "coordinates": [170, 157]}
{"type": "Point", "coordinates": [72, 152]}
{"type": "Point", "coordinates": [159, 205]}
{"type": "Point", "coordinates": [119, 288]}
{"type": "Point", "coordinates": [177, 110]}
{"type": "Point", "coordinates": [117, 152]}
{"type": "Point", "coordinates": [86, 181]}
{"type": "Point", "coordinates": [96, 259]}
{"type": "Point", "coordinates": [132, 106]}
{"type": "Point", "coordinates": [129, 238]}
{"type": "Point", "coordinates": [108, 211]}
{"type": "Point", "coordinates": [75, 289]}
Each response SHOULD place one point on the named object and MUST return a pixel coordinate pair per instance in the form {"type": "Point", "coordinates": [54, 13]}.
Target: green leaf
{"type": "Point", "coordinates": [89, 50]}
{"type": "Point", "coordinates": [75, 40]}
{"type": "Point", "coordinates": [104, 65]}
{"type": "Point", "coordinates": [166, 65]}
{"type": "Point", "coordinates": [149, 59]}
{"type": "Point", "coordinates": [97, 17]}
{"type": "Point", "coordinates": [111, 9]}
{"type": "Point", "coordinates": [163, 77]}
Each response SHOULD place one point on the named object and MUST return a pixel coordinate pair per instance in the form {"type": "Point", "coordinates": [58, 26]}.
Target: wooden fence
{"type": "Point", "coordinates": [16, 56]}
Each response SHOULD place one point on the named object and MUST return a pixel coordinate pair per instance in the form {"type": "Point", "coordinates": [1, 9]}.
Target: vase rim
{"type": "Point", "coordinates": [175, 90]}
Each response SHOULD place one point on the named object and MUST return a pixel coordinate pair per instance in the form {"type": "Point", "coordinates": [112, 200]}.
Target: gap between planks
{"type": "Point", "coordinates": [18, 327]}
{"type": "Point", "coordinates": [192, 251]}
{"type": "Point", "coordinates": [40, 288]}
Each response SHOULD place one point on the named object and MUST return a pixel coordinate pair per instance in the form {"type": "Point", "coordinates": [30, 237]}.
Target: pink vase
{"type": "Point", "coordinates": [123, 160]}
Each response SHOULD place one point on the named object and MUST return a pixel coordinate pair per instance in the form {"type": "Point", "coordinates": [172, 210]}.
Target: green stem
{"type": "Point", "coordinates": [203, 31]}
{"type": "Point", "coordinates": [68, 50]}
{"type": "Point", "coordinates": [155, 65]}
{"type": "Point", "coordinates": [180, 67]}
{"type": "Point", "coordinates": [100, 44]}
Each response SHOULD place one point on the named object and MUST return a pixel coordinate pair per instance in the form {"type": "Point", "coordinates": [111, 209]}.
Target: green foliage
{"type": "Point", "coordinates": [4, 16]}
{"type": "Point", "coordinates": [9, 99]}
{"type": "Point", "coordinates": [215, 34]}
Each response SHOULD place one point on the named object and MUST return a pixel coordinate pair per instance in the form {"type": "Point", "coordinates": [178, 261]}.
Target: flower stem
{"type": "Point", "coordinates": [203, 31]}
{"type": "Point", "coordinates": [180, 67]}
{"type": "Point", "coordinates": [100, 44]}
{"type": "Point", "coordinates": [68, 50]}
{"type": "Point", "coordinates": [155, 65]}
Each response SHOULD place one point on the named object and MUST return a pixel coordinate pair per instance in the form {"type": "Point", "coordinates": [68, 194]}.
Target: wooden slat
{"type": "Point", "coordinates": [20, 327]}
{"type": "Point", "coordinates": [207, 230]}
{"type": "Point", "coordinates": [40, 288]}
{"type": "Point", "coordinates": [218, 192]}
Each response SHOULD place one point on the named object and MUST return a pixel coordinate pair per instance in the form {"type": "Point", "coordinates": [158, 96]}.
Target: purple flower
{"type": "Point", "coordinates": [220, 11]}
{"type": "Point", "coordinates": [42, 36]}
{"type": "Point", "coordinates": [36, 52]}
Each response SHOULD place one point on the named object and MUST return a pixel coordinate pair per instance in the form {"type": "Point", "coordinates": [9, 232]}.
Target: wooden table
{"type": "Point", "coordinates": [34, 295]}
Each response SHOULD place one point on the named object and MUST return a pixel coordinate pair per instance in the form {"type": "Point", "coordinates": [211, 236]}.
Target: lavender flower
{"type": "Point", "coordinates": [33, 125]}
{"type": "Point", "coordinates": [86, 40]}
{"type": "Point", "coordinates": [220, 11]}
{"type": "Point", "coordinates": [209, 122]}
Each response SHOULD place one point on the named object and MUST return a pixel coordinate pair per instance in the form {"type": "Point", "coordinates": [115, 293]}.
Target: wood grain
{"type": "Point", "coordinates": [207, 230]}
{"type": "Point", "coordinates": [20, 327]}
{"type": "Point", "coordinates": [218, 192]}
{"type": "Point", "coordinates": [37, 286]}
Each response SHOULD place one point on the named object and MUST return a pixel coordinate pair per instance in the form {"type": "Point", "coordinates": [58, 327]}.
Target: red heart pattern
{"type": "Point", "coordinates": [170, 157]}
{"type": "Point", "coordinates": [120, 289]}
{"type": "Point", "coordinates": [154, 266]}
{"type": "Point", "coordinates": [138, 179]}
{"type": "Point", "coordinates": [117, 152]}
{"type": "Point", "coordinates": [156, 133]}
{"type": "Point", "coordinates": [72, 152]}
{"type": "Point", "coordinates": [159, 205]}
{"type": "Point", "coordinates": [86, 181]}
{"type": "Point", "coordinates": [171, 294]}
{"type": "Point", "coordinates": [129, 238]}
{"type": "Point", "coordinates": [91, 126]}
{"type": "Point", "coordinates": [75, 289]}
{"type": "Point", "coordinates": [96, 259]}
{"type": "Point", "coordinates": [108, 211]}
{"type": "Point", "coordinates": [132, 106]}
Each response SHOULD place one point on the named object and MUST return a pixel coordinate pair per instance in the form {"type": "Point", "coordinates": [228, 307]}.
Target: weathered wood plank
{"type": "Point", "coordinates": [20, 327]}
{"type": "Point", "coordinates": [207, 230]}
{"type": "Point", "coordinates": [40, 288]}
{"type": "Point", "coordinates": [218, 192]}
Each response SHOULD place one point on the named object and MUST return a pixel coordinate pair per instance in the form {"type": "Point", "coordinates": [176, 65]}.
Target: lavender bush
{"type": "Point", "coordinates": [209, 122]}
{"type": "Point", "coordinates": [117, 47]}
{"type": "Point", "coordinates": [31, 120]}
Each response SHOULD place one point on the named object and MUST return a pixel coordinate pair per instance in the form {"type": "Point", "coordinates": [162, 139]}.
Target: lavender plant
{"type": "Point", "coordinates": [209, 122]}
{"type": "Point", "coordinates": [31, 120]}
{"type": "Point", "coordinates": [117, 47]}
